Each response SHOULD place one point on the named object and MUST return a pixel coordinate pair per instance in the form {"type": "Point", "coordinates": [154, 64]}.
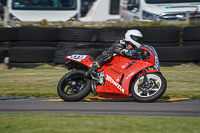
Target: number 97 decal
{"type": "Point", "coordinates": [77, 57]}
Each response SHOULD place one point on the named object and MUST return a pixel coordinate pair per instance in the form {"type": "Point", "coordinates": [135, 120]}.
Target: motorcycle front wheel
{"type": "Point", "coordinates": [74, 86]}
{"type": "Point", "coordinates": [151, 90]}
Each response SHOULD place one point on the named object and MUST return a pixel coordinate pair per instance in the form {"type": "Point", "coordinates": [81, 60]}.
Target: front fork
{"type": "Point", "coordinates": [146, 85]}
{"type": "Point", "coordinates": [142, 82]}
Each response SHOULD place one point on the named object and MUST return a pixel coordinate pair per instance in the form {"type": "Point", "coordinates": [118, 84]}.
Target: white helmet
{"type": "Point", "coordinates": [134, 37]}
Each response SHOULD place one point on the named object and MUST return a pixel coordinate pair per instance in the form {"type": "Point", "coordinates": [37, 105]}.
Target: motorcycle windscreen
{"type": "Point", "coordinates": [150, 48]}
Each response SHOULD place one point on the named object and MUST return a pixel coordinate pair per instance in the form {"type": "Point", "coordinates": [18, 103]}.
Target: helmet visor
{"type": "Point", "coordinates": [136, 38]}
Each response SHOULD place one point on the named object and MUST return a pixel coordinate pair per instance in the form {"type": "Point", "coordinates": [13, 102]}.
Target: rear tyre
{"type": "Point", "coordinates": [153, 89]}
{"type": "Point", "coordinates": [74, 86]}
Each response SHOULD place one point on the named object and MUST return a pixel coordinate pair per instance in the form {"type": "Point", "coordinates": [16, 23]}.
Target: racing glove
{"type": "Point", "coordinates": [126, 52]}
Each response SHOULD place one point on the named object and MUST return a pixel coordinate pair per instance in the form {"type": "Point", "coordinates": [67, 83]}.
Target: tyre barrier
{"type": "Point", "coordinates": [79, 34]}
{"type": "Point", "coordinates": [191, 36]}
{"type": "Point", "coordinates": [178, 54]}
{"type": "Point", "coordinates": [157, 34]}
{"type": "Point", "coordinates": [37, 34]}
{"type": "Point", "coordinates": [6, 45]}
{"type": "Point", "coordinates": [8, 34]}
{"type": "Point", "coordinates": [24, 65]}
{"type": "Point", "coordinates": [154, 34]}
{"type": "Point", "coordinates": [34, 44]}
{"type": "Point", "coordinates": [84, 45]}
{"type": "Point", "coordinates": [3, 54]}
{"type": "Point", "coordinates": [4, 48]}
{"type": "Point", "coordinates": [113, 34]}
{"type": "Point", "coordinates": [191, 43]}
{"type": "Point", "coordinates": [191, 33]}
{"type": "Point", "coordinates": [31, 54]}
{"type": "Point", "coordinates": [46, 44]}
{"type": "Point", "coordinates": [162, 44]}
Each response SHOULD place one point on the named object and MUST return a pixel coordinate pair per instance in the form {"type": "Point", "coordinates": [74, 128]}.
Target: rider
{"type": "Point", "coordinates": [125, 47]}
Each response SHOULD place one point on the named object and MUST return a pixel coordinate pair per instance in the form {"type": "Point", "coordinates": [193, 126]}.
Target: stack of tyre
{"type": "Point", "coordinates": [77, 40]}
{"type": "Point", "coordinates": [166, 40]}
{"type": "Point", "coordinates": [110, 35]}
{"type": "Point", "coordinates": [191, 43]}
{"type": "Point", "coordinates": [169, 46]}
{"type": "Point", "coordinates": [35, 45]}
{"type": "Point", "coordinates": [7, 38]}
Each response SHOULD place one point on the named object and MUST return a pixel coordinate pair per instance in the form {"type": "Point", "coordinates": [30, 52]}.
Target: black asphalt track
{"type": "Point", "coordinates": [158, 108]}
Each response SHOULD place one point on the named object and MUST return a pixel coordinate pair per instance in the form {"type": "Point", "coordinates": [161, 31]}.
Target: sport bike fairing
{"type": "Point", "coordinates": [83, 59]}
{"type": "Point", "coordinates": [118, 72]}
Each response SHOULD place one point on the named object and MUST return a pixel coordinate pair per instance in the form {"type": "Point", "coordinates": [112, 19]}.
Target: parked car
{"type": "Point", "coordinates": [159, 10]}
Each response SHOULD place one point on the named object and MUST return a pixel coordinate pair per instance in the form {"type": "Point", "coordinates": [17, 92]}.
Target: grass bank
{"type": "Point", "coordinates": [42, 82]}
{"type": "Point", "coordinates": [101, 24]}
{"type": "Point", "coordinates": [71, 123]}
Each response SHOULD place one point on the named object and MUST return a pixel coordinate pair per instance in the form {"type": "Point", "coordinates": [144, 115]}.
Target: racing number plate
{"type": "Point", "coordinates": [77, 57]}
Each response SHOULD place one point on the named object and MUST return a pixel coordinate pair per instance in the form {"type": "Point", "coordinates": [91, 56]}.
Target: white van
{"type": "Point", "coordinates": [159, 10]}
{"type": "Point", "coordinates": [37, 10]}
{"type": "Point", "coordinates": [103, 10]}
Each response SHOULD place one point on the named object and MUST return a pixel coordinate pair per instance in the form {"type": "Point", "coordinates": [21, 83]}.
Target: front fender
{"type": "Point", "coordinates": [135, 70]}
{"type": "Point", "coordinates": [153, 71]}
{"type": "Point", "coordinates": [141, 74]}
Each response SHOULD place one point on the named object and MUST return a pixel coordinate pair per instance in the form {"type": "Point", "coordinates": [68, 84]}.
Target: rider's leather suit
{"type": "Point", "coordinates": [118, 47]}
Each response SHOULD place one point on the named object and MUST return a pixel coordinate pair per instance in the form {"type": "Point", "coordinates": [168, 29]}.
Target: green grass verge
{"type": "Point", "coordinates": [42, 82]}
{"type": "Point", "coordinates": [182, 82]}
{"type": "Point", "coordinates": [71, 123]}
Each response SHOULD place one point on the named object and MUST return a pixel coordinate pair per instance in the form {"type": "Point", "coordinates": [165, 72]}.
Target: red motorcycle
{"type": "Point", "coordinates": [122, 77]}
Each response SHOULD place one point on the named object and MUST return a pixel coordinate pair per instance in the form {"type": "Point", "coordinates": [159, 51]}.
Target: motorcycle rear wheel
{"type": "Point", "coordinates": [152, 90]}
{"type": "Point", "coordinates": [74, 86]}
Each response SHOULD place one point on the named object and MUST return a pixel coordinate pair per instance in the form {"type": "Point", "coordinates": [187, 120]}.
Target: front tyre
{"type": "Point", "coordinates": [74, 86]}
{"type": "Point", "coordinates": [151, 90]}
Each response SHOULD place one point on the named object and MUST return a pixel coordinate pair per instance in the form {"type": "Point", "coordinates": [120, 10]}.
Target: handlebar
{"type": "Point", "coordinates": [131, 53]}
{"type": "Point", "coordinates": [137, 54]}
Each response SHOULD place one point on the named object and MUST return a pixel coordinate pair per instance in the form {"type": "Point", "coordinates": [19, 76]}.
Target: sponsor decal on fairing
{"type": "Point", "coordinates": [109, 78]}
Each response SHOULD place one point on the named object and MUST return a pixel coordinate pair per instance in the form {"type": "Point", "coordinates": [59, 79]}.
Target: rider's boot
{"type": "Point", "coordinates": [93, 70]}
